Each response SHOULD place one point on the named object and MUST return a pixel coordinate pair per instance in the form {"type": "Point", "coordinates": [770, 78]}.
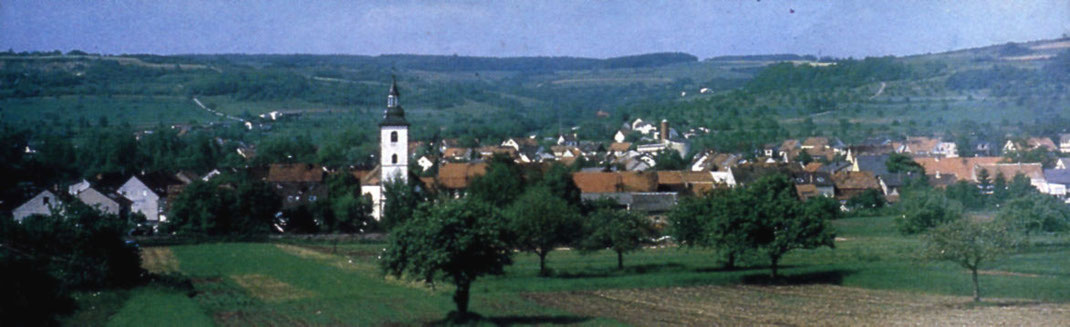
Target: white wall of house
{"type": "Point", "coordinates": [142, 199]}
{"type": "Point", "coordinates": [93, 198]}
{"type": "Point", "coordinates": [41, 204]}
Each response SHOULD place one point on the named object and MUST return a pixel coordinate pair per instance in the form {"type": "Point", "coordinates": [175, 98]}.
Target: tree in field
{"type": "Point", "coordinates": [783, 223]}
{"type": "Point", "coordinates": [969, 245]}
{"type": "Point", "coordinates": [615, 229]}
{"type": "Point", "coordinates": [922, 210]}
{"type": "Point", "coordinates": [765, 216]}
{"type": "Point", "coordinates": [540, 222]}
{"type": "Point", "coordinates": [455, 241]}
{"type": "Point", "coordinates": [1035, 213]}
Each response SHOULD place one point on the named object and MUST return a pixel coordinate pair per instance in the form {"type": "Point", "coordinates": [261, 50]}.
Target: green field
{"type": "Point", "coordinates": [238, 284]}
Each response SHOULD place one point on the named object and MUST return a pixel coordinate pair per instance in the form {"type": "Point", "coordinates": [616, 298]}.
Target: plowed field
{"type": "Point", "coordinates": [808, 305]}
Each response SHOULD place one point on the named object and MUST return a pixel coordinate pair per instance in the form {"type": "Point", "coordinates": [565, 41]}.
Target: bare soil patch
{"type": "Point", "coordinates": [801, 305]}
{"type": "Point", "coordinates": [159, 260]}
{"type": "Point", "coordinates": [269, 289]}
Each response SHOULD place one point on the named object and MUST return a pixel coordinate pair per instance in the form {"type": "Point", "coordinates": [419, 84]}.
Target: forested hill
{"type": "Point", "coordinates": [441, 63]}
{"type": "Point", "coordinates": [981, 94]}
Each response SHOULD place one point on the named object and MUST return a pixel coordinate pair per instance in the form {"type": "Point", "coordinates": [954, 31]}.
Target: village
{"type": "Point", "coordinates": [624, 170]}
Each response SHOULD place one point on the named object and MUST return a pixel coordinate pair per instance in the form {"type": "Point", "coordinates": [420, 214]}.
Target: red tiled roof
{"type": "Point", "coordinates": [620, 146]}
{"type": "Point", "coordinates": [458, 175]}
{"type": "Point", "coordinates": [597, 182]}
{"type": "Point", "coordinates": [855, 180]}
{"type": "Point", "coordinates": [961, 168]}
{"type": "Point", "coordinates": [295, 173]}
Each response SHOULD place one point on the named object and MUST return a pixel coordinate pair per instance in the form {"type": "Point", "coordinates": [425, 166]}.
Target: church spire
{"type": "Point", "coordinates": [394, 115]}
{"type": "Point", "coordinates": [393, 96]}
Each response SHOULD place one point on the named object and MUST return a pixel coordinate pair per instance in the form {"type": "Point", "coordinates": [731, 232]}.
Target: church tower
{"type": "Point", "coordinates": [394, 140]}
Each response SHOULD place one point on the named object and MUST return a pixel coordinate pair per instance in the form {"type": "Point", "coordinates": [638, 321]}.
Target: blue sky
{"type": "Point", "coordinates": [526, 28]}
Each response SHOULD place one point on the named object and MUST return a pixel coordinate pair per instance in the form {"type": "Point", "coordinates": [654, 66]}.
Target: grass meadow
{"type": "Point", "coordinates": [242, 284]}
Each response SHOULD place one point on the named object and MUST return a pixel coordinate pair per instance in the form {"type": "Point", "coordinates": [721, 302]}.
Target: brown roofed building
{"type": "Point", "coordinates": [613, 182]}
{"type": "Point", "coordinates": [457, 176]}
{"type": "Point", "coordinates": [297, 184]}
{"type": "Point", "coordinates": [685, 182]}
{"type": "Point", "coordinates": [639, 181]}
{"type": "Point", "coordinates": [1034, 171]}
{"type": "Point", "coordinates": [961, 168]}
{"type": "Point", "coordinates": [851, 183]}
{"type": "Point", "coordinates": [457, 154]}
{"type": "Point", "coordinates": [295, 173]}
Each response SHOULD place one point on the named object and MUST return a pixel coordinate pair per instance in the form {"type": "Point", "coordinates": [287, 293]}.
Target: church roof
{"type": "Point", "coordinates": [394, 116]}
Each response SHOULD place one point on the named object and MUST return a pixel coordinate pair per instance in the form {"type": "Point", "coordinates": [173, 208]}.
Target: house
{"type": "Point", "coordinates": [454, 178]}
{"type": "Point", "coordinates": [811, 184]}
{"type": "Point", "coordinates": [297, 184]}
{"type": "Point", "coordinates": [637, 191]}
{"type": "Point", "coordinates": [425, 162]}
{"type": "Point", "coordinates": [1034, 171]}
{"type": "Point", "coordinates": [875, 164]}
{"type": "Point", "coordinates": [689, 183]}
{"type": "Point", "coordinates": [622, 135]}
{"type": "Point", "coordinates": [1041, 142]}
{"type": "Point", "coordinates": [749, 173]}
{"type": "Point", "coordinates": [109, 204]}
{"type": "Point", "coordinates": [1064, 143]}
{"type": "Point", "coordinates": [1062, 163]}
{"type": "Point", "coordinates": [926, 146]}
{"type": "Point", "coordinates": [1057, 182]}
{"type": "Point", "coordinates": [78, 187]}
{"type": "Point", "coordinates": [1031, 143]}
{"type": "Point", "coordinates": [448, 143]}
{"type": "Point", "coordinates": [486, 152]}
{"type": "Point", "coordinates": [712, 161]}
{"type": "Point", "coordinates": [520, 143]}
{"type": "Point", "coordinates": [851, 183]}
{"type": "Point", "coordinates": [148, 194]}
{"type": "Point", "coordinates": [617, 150]}
{"type": "Point", "coordinates": [788, 150]}
{"type": "Point", "coordinates": [642, 127]}
{"type": "Point", "coordinates": [457, 154]}
{"type": "Point", "coordinates": [567, 139]}
{"type": "Point", "coordinates": [41, 204]}
{"type": "Point", "coordinates": [960, 168]}
{"type": "Point", "coordinates": [591, 149]}
{"type": "Point", "coordinates": [893, 182]}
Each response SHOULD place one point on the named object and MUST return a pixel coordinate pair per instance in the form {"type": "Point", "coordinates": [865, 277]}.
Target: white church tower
{"type": "Point", "coordinates": [394, 140]}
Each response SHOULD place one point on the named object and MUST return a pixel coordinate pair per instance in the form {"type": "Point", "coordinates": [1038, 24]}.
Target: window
{"type": "Point", "coordinates": [394, 159]}
{"type": "Point", "coordinates": [394, 137]}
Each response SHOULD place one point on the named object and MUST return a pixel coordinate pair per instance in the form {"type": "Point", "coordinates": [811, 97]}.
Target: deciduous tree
{"type": "Point", "coordinates": [456, 241]}
{"type": "Point", "coordinates": [969, 245]}
{"type": "Point", "coordinates": [540, 222]}
{"type": "Point", "coordinates": [617, 230]}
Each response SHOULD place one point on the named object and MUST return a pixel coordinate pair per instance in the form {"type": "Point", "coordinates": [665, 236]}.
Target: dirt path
{"type": "Point", "coordinates": [879, 91]}
{"type": "Point", "coordinates": [809, 305]}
